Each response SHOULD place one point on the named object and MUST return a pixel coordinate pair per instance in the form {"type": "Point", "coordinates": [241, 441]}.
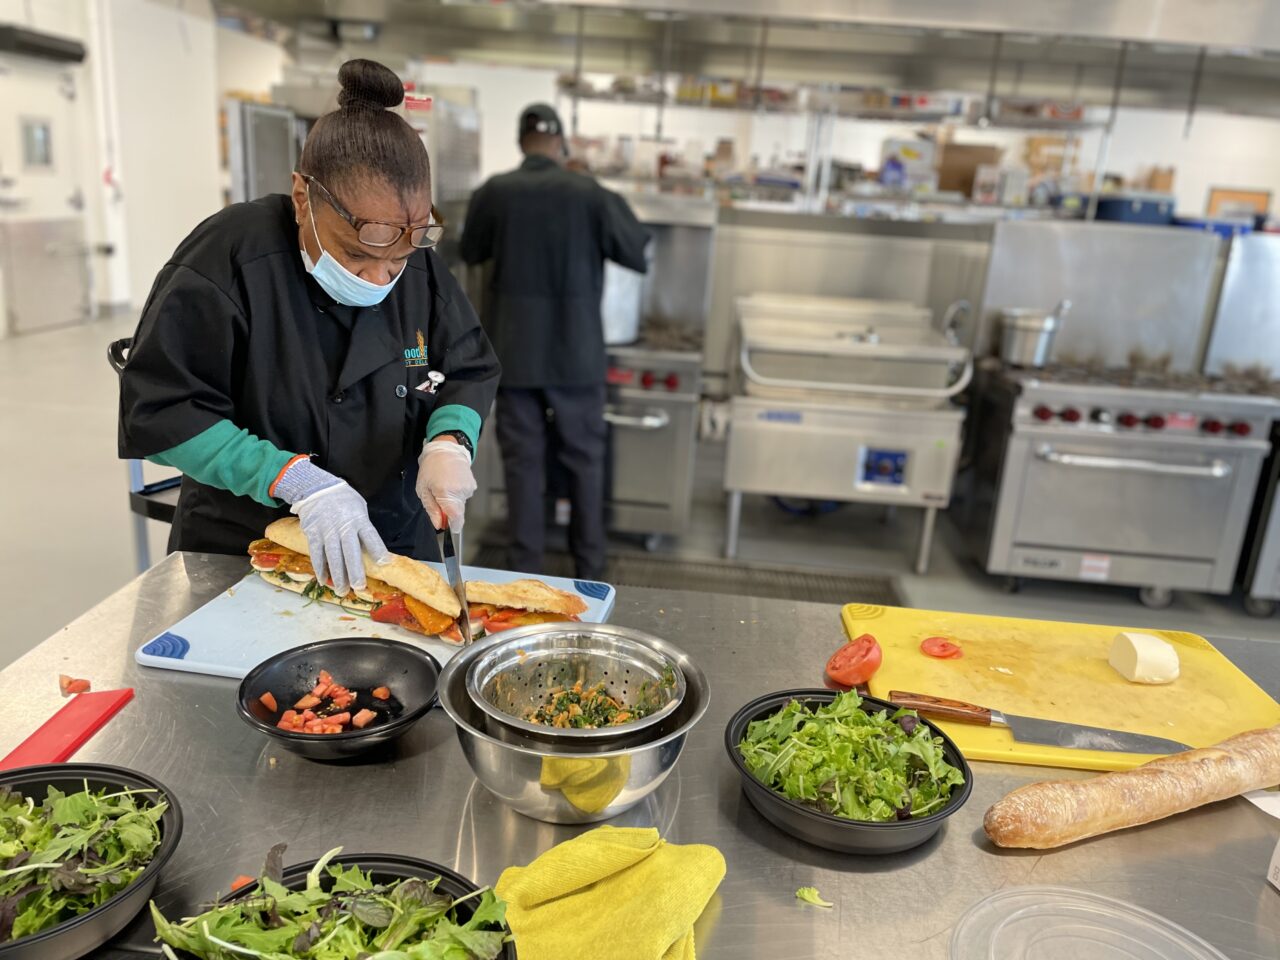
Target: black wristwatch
{"type": "Point", "coordinates": [461, 437]}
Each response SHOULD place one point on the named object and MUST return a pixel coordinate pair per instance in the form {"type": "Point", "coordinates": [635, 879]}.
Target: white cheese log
{"type": "Point", "coordinates": [1142, 658]}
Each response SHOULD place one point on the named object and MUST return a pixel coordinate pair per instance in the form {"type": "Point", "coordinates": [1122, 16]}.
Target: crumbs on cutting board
{"type": "Point", "coordinates": [285, 613]}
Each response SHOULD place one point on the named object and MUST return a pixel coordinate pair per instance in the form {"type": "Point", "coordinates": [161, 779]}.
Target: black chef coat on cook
{"type": "Point", "coordinates": [236, 329]}
{"type": "Point", "coordinates": [548, 232]}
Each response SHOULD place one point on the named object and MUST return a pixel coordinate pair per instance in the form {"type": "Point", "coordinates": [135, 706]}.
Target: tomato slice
{"type": "Point", "coordinates": [940, 648]}
{"type": "Point", "coordinates": [390, 611]}
{"type": "Point", "coordinates": [856, 662]}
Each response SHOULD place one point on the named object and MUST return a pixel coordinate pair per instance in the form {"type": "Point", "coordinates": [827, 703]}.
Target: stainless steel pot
{"type": "Point", "coordinates": [568, 782]}
{"type": "Point", "coordinates": [1027, 334]}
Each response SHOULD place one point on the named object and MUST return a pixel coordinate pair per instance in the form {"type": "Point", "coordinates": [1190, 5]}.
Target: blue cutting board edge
{"type": "Point", "coordinates": [253, 620]}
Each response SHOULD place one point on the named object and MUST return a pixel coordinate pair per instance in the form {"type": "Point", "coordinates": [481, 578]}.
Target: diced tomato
{"type": "Point", "coordinates": [314, 726]}
{"type": "Point", "coordinates": [381, 693]}
{"type": "Point", "coordinates": [363, 719]}
{"type": "Point", "coordinates": [289, 716]}
{"type": "Point", "coordinates": [941, 648]}
{"type": "Point", "coordinates": [856, 662]}
{"type": "Point", "coordinates": [325, 677]}
{"type": "Point", "coordinates": [331, 728]}
{"type": "Point", "coordinates": [308, 716]}
{"type": "Point", "coordinates": [338, 718]}
{"type": "Point", "coordinates": [285, 724]}
{"type": "Point", "coordinates": [307, 702]}
{"type": "Point", "coordinates": [321, 690]}
{"type": "Point", "coordinates": [269, 701]}
{"type": "Point", "coordinates": [243, 880]}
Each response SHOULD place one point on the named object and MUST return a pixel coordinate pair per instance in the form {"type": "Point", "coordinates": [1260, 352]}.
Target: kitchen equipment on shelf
{"type": "Point", "coordinates": [1027, 334]}
{"type": "Point", "coordinates": [1058, 671]}
{"type": "Point", "coordinates": [844, 399]}
{"type": "Point", "coordinates": [824, 829]}
{"type": "Point", "coordinates": [59, 737]}
{"type": "Point", "coordinates": [514, 677]}
{"type": "Point", "coordinates": [570, 781]}
{"type": "Point", "coordinates": [1141, 476]}
{"type": "Point", "coordinates": [361, 664]}
{"type": "Point", "coordinates": [1052, 733]}
{"type": "Point", "coordinates": [80, 936]}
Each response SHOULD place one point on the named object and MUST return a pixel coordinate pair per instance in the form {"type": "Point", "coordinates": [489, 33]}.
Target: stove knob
{"type": "Point", "coordinates": [1127, 420]}
{"type": "Point", "coordinates": [1212, 426]}
{"type": "Point", "coordinates": [647, 379]}
{"type": "Point", "coordinates": [1070, 414]}
{"type": "Point", "coordinates": [1240, 428]}
{"type": "Point", "coordinates": [1098, 415]}
{"type": "Point", "coordinates": [1041, 412]}
{"type": "Point", "coordinates": [672, 382]}
{"type": "Point", "coordinates": [1154, 422]}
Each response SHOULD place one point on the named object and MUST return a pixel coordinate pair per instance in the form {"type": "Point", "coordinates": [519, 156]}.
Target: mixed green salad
{"type": "Point", "coordinates": [71, 853]}
{"type": "Point", "coordinates": [348, 918]}
{"type": "Point", "coordinates": [847, 762]}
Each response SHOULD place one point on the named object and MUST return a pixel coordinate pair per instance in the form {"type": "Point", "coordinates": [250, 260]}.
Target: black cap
{"type": "Point", "coordinates": [540, 118]}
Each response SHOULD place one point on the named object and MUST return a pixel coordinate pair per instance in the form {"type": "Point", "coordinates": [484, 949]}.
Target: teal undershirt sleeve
{"type": "Point", "coordinates": [230, 458]}
{"type": "Point", "coordinates": [455, 416]}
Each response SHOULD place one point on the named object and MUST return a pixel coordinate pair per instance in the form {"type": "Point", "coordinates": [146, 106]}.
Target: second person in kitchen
{"type": "Point", "coordinates": [547, 232]}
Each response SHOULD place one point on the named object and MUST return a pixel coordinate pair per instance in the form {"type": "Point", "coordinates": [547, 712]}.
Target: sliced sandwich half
{"type": "Point", "coordinates": [405, 592]}
{"type": "Point", "coordinates": [501, 606]}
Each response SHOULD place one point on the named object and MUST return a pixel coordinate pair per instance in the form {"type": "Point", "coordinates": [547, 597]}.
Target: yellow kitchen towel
{"type": "Point", "coordinates": [613, 893]}
{"type": "Point", "coordinates": [589, 783]}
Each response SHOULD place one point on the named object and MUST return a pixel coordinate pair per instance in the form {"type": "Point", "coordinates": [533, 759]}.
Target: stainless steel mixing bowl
{"type": "Point", "coordinates": [569, 782]}
{"type": "Point", "coordinates": [519, 671]}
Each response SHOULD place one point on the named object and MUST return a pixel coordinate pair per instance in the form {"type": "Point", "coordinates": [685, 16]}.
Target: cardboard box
{"type": "Point", "coordinates": [959, 162]}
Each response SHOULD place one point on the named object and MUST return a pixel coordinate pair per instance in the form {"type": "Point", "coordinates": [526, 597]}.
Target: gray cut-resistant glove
{"type": "Point", "coordinates": [335, 520]}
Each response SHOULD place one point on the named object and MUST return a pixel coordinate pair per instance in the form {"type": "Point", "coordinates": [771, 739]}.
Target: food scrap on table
{"type": "Point", "coordinates": [811, 895]}
{"type": "Point", "coordinates": [72, 685]}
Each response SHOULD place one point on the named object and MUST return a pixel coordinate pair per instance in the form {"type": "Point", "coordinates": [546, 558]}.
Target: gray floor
{"type": "Point", "coordinates": [68, 533]}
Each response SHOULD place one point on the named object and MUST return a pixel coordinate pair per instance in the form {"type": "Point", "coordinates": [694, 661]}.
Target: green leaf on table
{"type": "Point", "coordinates": [811, 895]}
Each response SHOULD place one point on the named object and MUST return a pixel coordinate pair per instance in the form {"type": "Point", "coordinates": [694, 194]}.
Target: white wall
{"type": "Point", "coordinates": [502, 93]}
{"type": "Point", "coordinates": [247, 64]}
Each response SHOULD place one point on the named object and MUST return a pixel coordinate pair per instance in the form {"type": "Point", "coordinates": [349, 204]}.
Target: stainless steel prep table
{"type": "Point", "coordinates": [1204, 870]}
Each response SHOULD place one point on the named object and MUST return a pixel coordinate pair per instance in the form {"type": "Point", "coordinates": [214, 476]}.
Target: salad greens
{"type": "Point", "coordinates": [811, 895]}
{"type": "Point", "coordinates": [71, 853]}
{"type": "Point", "coordinates": [349, 918]}
{"type": "Point", "coordinates": [844, 761]}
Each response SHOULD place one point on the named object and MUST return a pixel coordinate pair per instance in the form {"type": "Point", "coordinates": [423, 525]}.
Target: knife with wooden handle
{"type": "Point", "coordinates": [1053, 733]}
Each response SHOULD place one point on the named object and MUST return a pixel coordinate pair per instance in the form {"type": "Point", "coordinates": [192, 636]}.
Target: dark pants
{"type": "Point", "coordinates": [580, 432]}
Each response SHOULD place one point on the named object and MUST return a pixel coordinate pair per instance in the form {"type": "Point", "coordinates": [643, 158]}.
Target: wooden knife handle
{"type": "Point", "coordinates": [939, 709]}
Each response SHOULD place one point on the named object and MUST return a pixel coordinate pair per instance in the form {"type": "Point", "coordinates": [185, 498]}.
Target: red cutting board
{"type": "Point", "coordinates": [67, 730]}
{"type": "Point", "coordinates": [1059, 671]}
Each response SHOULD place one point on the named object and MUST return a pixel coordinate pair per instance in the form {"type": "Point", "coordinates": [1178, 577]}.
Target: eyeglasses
{"type": "Point", "coordinates": [379, 233]}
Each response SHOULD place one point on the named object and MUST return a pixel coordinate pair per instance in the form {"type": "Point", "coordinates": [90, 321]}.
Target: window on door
{"type": "Point", "coordinates": [37, 143]}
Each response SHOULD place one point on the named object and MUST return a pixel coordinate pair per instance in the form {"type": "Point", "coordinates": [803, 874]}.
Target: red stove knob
{"type": "Point", "coordinates": [1212, 426]}
{"type": "Point", "coordinates": [1070, 414]}
{"type": "Point", "coordinates": [1041, 412]}
{"type": "Point", "coordinates": [1240, 428]}
{"type": "Point", "coordinates": [1127, 420]}
{"type": "Point", "coordinates": [1155, 421]}
{"type": "Point", "coordinates": [647, 379]}
{"type": "Point", "coordinates": [672, 382]}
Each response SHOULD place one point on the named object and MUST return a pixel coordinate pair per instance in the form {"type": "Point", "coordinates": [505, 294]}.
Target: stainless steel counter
{"type": "Point", "coordinates": [1204, 870]}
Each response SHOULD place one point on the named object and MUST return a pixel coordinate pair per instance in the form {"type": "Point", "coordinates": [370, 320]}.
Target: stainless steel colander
{"type": "Point", "coordinates": [520, 668]}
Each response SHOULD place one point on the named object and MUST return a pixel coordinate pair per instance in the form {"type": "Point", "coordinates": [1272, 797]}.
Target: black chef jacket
{"type": "Point", "coordinates": [548, 232]}
{"type": "Point", "coordinates": [235, 329]}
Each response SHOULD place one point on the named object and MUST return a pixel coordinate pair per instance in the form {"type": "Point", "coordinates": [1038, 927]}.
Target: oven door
{"type": "Point", "coordinates": [1127, 497]}
{"type": "Point", "coordinates": [651, 440]}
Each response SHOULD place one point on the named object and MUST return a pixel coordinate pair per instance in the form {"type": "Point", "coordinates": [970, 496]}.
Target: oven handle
{"type": "Point", "coordinates": [1217, 470]}
{"type": "Point", "coordinates": [651, 420]}
{"type": "Point", "coordinates": [859, 388]}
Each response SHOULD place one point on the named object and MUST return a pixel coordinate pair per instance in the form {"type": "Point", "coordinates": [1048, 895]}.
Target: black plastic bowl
{"type": "Point", "coordinates": [824, 829]}
{"type": "Point", "coordinates": [387, 868]}
{"type": "Point", "coordinates": [360, 664]}
{"type": "Point", "coordinates": [82, 935]}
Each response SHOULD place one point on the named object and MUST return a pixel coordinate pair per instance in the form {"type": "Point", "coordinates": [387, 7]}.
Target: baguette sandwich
{"type": "Point", "coordinates": [409, 593]}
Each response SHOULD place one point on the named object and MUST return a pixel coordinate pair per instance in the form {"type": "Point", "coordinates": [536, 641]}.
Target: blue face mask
{"type": "Point", "coordinates": [339, 282]}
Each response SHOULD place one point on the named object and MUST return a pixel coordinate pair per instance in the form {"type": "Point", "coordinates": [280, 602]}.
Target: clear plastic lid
{"type": "Point", "coordinates": [1058, 923]}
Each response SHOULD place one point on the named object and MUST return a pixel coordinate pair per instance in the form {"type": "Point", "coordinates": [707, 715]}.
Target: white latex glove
{"type": "Point", "coordinates": [445, 482]}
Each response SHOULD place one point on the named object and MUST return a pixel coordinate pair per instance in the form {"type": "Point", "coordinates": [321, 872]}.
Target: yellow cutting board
{"type": "Point", "coordinates": [1058, 671]}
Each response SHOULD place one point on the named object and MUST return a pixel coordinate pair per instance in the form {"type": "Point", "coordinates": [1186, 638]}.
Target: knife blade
{"type": "Point", "coordinates": [450, 541]}
{"type": "Point", "coordinates": [1052, 733]}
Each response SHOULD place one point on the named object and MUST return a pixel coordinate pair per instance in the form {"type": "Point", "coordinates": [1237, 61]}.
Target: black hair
{"type": "Point", "coordinates": [363, 140]}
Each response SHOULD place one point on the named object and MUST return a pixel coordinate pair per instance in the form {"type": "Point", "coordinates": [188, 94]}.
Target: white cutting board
{"type": "Point", "coordinates": [253, 620]}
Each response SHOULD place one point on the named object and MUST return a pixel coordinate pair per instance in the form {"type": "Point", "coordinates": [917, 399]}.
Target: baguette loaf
{"type": "Point", "coordinates": [532, 595]}
{"type": "Point", "coordinates": [405, 574]}
{"type": "Point", "coordinates": [1058, 812]}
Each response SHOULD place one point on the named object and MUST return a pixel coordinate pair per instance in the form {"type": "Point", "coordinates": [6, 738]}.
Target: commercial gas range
{"type": "Point", "coordinates": [1127, 477]}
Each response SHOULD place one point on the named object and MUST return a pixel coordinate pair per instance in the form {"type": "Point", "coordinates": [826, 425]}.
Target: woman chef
{"type": "Point", "coordinates": [289, 357]}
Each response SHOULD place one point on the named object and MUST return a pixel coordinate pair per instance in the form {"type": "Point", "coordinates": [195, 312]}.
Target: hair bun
{"type": "Point", "coordinates": [368, 85]}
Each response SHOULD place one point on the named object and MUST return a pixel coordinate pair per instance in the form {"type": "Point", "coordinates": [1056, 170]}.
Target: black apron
{"type": "Point", "coordinates": [233, 329]}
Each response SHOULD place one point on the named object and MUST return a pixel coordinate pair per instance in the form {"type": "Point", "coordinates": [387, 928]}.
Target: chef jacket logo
{"type": "Point", "coordinates": [416, 356]}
